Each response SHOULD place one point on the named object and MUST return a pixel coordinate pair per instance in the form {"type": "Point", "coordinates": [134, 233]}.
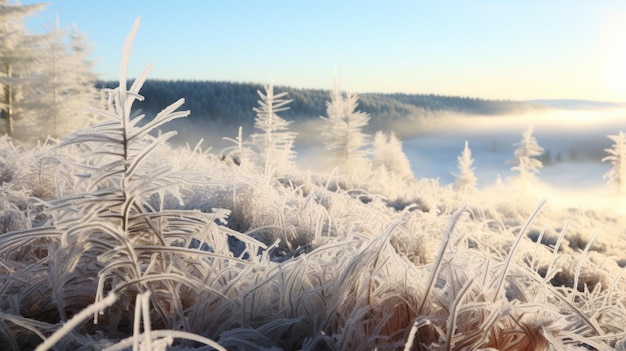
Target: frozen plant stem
{"type": "Point", "coordinates": [580, 265]}
{"type": "Point", "coordinates": [75, 321]}
{"type": "Point", "coordinates": [445, 242]}
{"type": "Point", "coordinates": [509, 257]}
{"type": "Point", "coordinates": [452, 318]}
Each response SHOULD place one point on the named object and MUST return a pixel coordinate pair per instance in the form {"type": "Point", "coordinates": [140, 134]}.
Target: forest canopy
{"type": "Point", "coordinates": [230, 102]}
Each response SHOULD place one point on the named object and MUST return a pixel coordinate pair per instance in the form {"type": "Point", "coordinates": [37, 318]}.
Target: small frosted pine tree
{"type": "Point", "coordinates": [388, 154]}
{"type": "Point", "coordinates": [276, 142]}
{"type": "Point", "coordinates": [466, 179]}
{"type": "Point", "coordinates": [525, 159]}
{"type": "Point", "coordinates": [341, 132]}
{"type": "Point", "coordinates": [616, 176]}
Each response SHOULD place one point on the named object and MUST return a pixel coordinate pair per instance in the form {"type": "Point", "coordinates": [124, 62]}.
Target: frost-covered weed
{"type": "Point", "coordinates": [186, 248]}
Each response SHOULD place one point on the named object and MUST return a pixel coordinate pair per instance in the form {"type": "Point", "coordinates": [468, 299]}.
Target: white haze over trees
{"type": "Point", "coordinates": [113, 239]}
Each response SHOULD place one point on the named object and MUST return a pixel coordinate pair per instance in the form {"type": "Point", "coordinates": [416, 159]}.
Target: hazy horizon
{"type": "Point", "coordinates": [559, 103]}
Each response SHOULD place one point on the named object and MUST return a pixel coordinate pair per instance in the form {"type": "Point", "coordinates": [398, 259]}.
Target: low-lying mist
{"type": "Point", "coordinates": [574, 142]}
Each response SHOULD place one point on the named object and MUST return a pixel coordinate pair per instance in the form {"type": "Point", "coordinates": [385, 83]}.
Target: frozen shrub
{"type": "Point", "coordinates": [388, 154]}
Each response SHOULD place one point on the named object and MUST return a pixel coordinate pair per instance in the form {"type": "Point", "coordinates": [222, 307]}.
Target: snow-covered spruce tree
{"type": "Point", "coordinates": [49, 101]}
{"type": "Point", "coordinates": [525, 159]}
{"type": "Point", "coordinates": [616, 176]}
{"type": "Point", "coordinates": [388, 154]}
{"type": "Point", "coordinates": [341, 132]}
{"type": "Point", "coordinates": [77, 85]}
{"type": "Point", "coordinates": [18, 54]}
{"type": "Point", "coordinates": [465, 179]}
{"type": "Point", "coordinates": [65, 87]}
{"type": "Point", "coordinates": [47, 80]}
{"type": "Point", "coordinates": [276, 142]}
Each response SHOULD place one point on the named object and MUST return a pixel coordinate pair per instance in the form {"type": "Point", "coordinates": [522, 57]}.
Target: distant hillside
{"type": "Point", "coordinates": [578, 104]}
{"type": "Point", "coordinates": [231, 103]}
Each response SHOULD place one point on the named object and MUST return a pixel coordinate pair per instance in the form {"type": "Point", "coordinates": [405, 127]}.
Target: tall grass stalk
{"type": "Point", "coordinates": [436, 266]}
{"type": "Point", "coordinates": [509, 257]}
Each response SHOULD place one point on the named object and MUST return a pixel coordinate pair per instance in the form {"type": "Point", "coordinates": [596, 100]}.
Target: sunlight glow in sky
{"type": "Point", "coordinates": [563, 49]}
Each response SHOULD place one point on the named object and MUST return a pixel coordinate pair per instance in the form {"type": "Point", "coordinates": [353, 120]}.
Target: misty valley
{"type": "Point", "coordinates": [432, 128]}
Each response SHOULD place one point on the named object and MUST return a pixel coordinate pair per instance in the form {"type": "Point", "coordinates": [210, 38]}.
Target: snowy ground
{"type": "Point", "coordinates": [308, 259]}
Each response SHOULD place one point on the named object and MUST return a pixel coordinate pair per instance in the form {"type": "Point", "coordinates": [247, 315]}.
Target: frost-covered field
{"type": "Point", "coordinates": [113, 239]}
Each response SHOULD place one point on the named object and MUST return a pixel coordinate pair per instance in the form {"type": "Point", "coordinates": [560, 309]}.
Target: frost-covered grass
{"type": "Point", "coordinates": [112, 239]}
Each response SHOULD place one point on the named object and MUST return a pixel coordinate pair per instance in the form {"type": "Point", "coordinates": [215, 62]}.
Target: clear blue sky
{"type": "Point", "coordinates": [492, 49]}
